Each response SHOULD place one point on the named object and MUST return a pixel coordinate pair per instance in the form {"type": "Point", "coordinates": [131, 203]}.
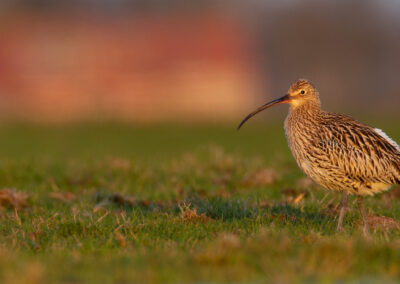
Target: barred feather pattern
{"type": "Point", "coordinates": [340, 153]}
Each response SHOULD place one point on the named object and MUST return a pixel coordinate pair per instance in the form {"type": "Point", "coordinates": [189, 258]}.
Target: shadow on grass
{"type": "Point", "coordinates": [219, 208]}
{"type": "Point", "coordinates": [289, 213]}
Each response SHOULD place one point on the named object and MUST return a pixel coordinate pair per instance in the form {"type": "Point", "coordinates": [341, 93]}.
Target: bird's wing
{"type": "Point", "coordinates": [359, 151]}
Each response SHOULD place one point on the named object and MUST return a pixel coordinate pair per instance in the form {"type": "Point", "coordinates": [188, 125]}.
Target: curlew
{"type": "Point", "coordinates": [336, 151]}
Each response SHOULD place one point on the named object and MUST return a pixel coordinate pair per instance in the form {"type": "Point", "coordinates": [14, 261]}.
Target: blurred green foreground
{"type": "Point", "coordinates": [113, 203]}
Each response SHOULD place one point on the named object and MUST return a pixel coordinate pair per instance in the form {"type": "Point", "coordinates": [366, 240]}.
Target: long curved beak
{"type": "Point", "coordinates": [284, 99]}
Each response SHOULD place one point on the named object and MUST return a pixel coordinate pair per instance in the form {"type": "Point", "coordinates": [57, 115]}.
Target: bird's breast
{"type": "Point", "coordinates": [301, 134]}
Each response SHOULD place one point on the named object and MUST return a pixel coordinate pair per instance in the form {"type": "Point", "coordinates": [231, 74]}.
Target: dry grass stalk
{"type": "Point", "coordinates": [293, 196]}
{"type": "Point", "coordinates": [121, 240]}
{"type": "Point", "coordinates": [63, 196]}
{"type": "Point", "coordinates": [299, 198]}
{"type": "Point", "coordinates": [188, 214]}
{"type": "Point", "coordinates": [102, 217]}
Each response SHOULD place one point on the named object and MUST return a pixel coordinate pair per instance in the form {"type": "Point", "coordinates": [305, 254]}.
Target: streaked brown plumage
{"type": "Point", "coordinates": [336, 151]}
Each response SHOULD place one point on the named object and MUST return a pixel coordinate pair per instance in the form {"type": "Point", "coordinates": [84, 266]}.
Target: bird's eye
{"type": "Point", "coordinates": [302, 92]}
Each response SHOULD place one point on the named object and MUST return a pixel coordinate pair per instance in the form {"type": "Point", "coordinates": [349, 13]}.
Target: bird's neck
{"type": "Point", "coordinates": [309, 109]}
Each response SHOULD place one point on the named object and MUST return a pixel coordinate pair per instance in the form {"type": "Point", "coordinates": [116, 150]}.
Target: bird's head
{"type": "Point", "coordinates": [301, 92]}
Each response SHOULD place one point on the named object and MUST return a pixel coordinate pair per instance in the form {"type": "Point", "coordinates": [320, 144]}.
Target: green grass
{"type": "Point", "coordinates": [177, 204]}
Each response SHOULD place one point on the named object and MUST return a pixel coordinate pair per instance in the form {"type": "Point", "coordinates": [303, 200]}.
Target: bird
{"type": "Point", "coordinates": [336, 151]}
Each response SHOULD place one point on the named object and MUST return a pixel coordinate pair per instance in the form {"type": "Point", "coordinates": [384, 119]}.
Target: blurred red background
{"type": "Point", "coordinates": [147, 61]}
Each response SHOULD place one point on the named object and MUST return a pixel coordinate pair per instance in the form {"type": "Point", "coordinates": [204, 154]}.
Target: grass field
{"type": "Point", "coordinates": [116, 203]}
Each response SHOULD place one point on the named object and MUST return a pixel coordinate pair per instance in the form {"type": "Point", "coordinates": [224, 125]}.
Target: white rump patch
{"type": "Point", "coordinates": [388, 139]}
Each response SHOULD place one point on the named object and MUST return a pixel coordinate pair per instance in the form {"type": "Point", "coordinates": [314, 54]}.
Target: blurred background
{"type": "Point", "coordinates": [156, 60]}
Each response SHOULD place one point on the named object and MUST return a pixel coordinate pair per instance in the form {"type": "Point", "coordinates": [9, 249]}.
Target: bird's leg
{"type": "Point", "coordinates": [342, 211]}
{"type": "Point", "coordinates": [360, 201]}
